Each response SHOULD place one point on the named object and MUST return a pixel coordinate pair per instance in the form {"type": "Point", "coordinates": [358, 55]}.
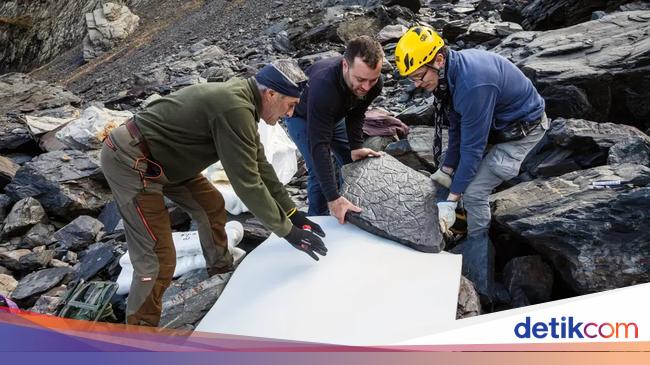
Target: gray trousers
{"type": "Point", "coordinates": [139, 186]}
{"type": "Point", "coordinates": [501, 163]}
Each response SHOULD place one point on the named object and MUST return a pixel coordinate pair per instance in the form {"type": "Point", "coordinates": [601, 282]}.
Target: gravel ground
{"type": "Point", "coordinates": [166, 28]}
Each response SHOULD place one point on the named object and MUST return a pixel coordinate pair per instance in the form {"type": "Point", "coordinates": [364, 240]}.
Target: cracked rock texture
{"type": "Point", "coordinates": [398, 202]}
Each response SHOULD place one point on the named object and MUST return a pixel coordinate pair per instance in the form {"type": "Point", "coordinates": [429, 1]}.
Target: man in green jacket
{"type": "Point", "coordinates": [162, 151]}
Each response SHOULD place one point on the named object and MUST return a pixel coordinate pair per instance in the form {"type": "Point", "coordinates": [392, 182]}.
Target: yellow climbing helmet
{"type": "Point", "coordinates": [417, 47]}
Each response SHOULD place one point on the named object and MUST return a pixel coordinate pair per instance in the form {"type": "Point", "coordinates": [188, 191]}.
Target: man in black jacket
{"type": "Point", "coordinates": [329, 119]}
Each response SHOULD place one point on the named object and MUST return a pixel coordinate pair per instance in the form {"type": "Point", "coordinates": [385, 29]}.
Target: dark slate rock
{"type": "Point", "coordinates": [483, 31]}
{"type": "Point", "coordinates": [21, 93]}
{"type": "Point", "coordinates": [35, 261]}
{"type": "Point", "coordinates": [13, 134]}
{"type": "Point", "coordinates": [8, 170]}
{"type": "Point", "coordinates": [38, 282]}
{"type": "Point", "coordinates": [532, 275]}
{"type": "Point", "coordinates": [185, 282]}
{"type": "Point", "coordinates": [378, 143]}
{"type": "Point", "coordinates": [39, 235]}
{"type": "Point", "coordinates": [282, 43]}
{"type": "Point", "coordinates": [186, 308]}
{"type": "Point", "coordinates": [469, 303]}
{"type": "Point", "coordinates": [574, 144]}
{"type": "Point", "coordinates": [583, 134]}
{"type": "Point", "coordinates": [96, 258]}
{"type": "Point", "coordinates": [478, 264]}
{"type": "Point", "coordinates": [416, 151]}
{"type": "Point", "coordinates": [398, 202]}
{"type": "Point", "coordinates": [5, 205]}
{"type": "Point", "coordinates": [24, 214]}
{"type": "Point", "coordinates": [110, 217]}
{"type": "Point", "coordinates": [306, 61]}
{"type": "Point", "coordinates": [630, 150]}
{"type": "Point", "coordinates": [421, 114]}
{"type": "Point", "coordinates": [79, 233]}
{"type": "Point", "coordinates": [553, 14]}
{"type": "Point", "coordinates": [67, 183]}
{"type": "Point", "coordinates": [48, 302]}
{"type": "Point", "coordinates": [567, 101]}
{"type": "Point", "coordinates": [596, 238]}
{"type": "Point", "coordinates": [11, 259]}
{"type": "Point", "coordinates": [605, 60]}
{"type": "Point", "coordinates": [19, 157]}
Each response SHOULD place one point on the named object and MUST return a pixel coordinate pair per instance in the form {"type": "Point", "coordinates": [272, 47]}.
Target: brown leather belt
{"type": "Point", "coordinates": [139, 140]}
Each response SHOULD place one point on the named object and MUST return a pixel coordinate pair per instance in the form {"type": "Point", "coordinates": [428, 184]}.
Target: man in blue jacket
{"type": "Point", "coordinates": [487, 101]}
{"type": "Point", "coordinates": [329, 120]}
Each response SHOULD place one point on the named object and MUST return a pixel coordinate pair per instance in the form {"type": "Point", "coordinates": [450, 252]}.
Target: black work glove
{"type": "Point", "coordinates": [306, 241]}
{"type": "Point", "coordinates": [300, 220]}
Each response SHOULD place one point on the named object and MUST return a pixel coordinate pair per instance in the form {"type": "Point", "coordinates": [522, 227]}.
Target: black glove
{"type": "Point", "coordinates": [300, 220]}
{"type": "Point", "coordinates": [304, 240]}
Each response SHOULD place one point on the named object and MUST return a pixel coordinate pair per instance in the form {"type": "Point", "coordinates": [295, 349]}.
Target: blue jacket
{"type": "Point", "coordinates": [487, 91]}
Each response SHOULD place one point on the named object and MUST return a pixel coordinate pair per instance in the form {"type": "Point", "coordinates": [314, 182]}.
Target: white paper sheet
{"type": "Point", "coordinates": [367, 291]}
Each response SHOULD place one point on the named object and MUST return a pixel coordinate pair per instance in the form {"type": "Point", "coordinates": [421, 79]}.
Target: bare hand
{"type": "Point", "coordinates": [361, 153]}
{"type": "Point", "coordinates": [340, 206]}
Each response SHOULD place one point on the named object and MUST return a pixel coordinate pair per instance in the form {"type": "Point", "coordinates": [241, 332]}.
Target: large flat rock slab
{"type": "Point", "coordinates": [398, 202]}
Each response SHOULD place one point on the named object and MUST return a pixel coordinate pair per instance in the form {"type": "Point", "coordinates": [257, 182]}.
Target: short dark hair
{"type": "Point", "coordinates": [366, 48]}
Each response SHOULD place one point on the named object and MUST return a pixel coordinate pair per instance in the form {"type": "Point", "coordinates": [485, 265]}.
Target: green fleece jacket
{"type": "Point", "coordinates": [199, 125]}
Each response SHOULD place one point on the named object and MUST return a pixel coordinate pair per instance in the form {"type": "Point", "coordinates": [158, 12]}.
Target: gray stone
{"type": "Point", "coordinates": [416, 151]}
{"type": "Point", "coordinates": [49, 302]}
{"type": "Point", "coordinates": [38, 282]}
{"type": "Point", "coordinates": [185, 282]}
{"type": "Point", "coordinates": [48, 142]}
{"type": "Point", "coordinates": [67, 183]}
{"type": "Point", "coordinates": [391, 33]}
{"type": "Point", "coordinates": [574, 144]}
{"type": "Point", "coordinates": [421, 114]}
{"type": "Point", "coordinates": [190, 305]}
{"type": "Point", "coordinates": [605, 60]}
{"type": "Point", "coordinates": [107, 25]}
{"type": "Point", "coordinates": [11, 259]}
{"type": "Point", "coordinates": [110, 217]}
{"type": "Point", "coordinates": [7, 284]}
{"type": "Point", "coordinates": [309, 60]}
{"type": "Point", "coordinates": [8, 170]}
{"type": "Point", "coordinates": [378, 143]}
{"type": "Point", "coordinates": [95, 259]}
{"type": "Point", "coordinates": [5, 205]}
{"type": "Point", "coordinates": [19, 93]}
{"type": "Point", "coordinates": [23, 215]}
{"type": "Point", "coordinates": [635, 149]}
{"type": "Point", "coordinates": [582, 134]}
{"type": "Point", "coordinates": [79, 233]}
{"type": "Point", "coordinates": [282, 43]}
{"type": "Point", "coordinates": [397, 202]}
{"type": "Point", "coordinates": [547, 14]}
{"type": "Point", "coordinates": [13, 134]}
{"type": "Point", "coordinates": [35, 260]}
{"type": "Point", "coordinates": [469, 303]}
{"type": "Point", "coordinates": [43, 121]}
{"type": "Point", "coordinates": [532, 275]}
{"type": "Point", "coordinates": [484, 31]}
{"type": "Point", "coordinates": [39, 235]}
{"type": "Point", "coordinates": [596, 238]}
{"type": "Point", "coordinates": [478, 264]}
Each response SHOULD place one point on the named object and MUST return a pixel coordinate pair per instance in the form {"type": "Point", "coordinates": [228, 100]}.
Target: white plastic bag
{"type": "Point", "coordinates": [280, 151]}
{"type": "Point", "coordinates": [188, 254]}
